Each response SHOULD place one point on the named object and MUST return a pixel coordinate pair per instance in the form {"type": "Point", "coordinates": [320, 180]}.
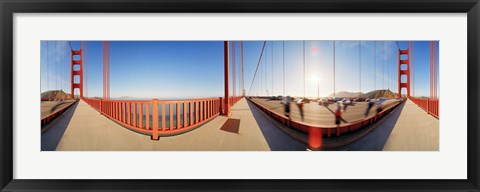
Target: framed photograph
{"type": "Point", "coordinates": [239, 95]}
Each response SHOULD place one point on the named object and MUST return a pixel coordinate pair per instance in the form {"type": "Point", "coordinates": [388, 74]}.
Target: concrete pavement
{"type": "Point", "coordinates": [415, 130]}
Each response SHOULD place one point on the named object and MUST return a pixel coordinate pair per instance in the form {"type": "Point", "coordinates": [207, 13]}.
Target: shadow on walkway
{"type": "Point", "coordinates": [53, 134]}
{"type": "Point", "coordinates": [377, 138]}
{"type": "Point", "coordinates": [277, 139]}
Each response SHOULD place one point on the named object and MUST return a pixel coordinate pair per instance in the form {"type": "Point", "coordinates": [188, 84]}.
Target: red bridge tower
{"type": "Point", "coordinates": [77, 71]}
{"type": "Point", "coordinates": [406, 71]}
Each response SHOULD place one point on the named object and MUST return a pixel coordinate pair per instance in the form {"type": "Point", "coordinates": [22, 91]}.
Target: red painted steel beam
{"type": "Point", "coordinates": [234, 60]}
{"type": "Point", "coordinates": [404, 72]}
{"type": "Point", "coordinates": [242, 76]}
{"type": "Point", "coordinates": [78, 73]}
{"type": "Point", "coordinates": [106, 69]}
{"type": "Point", "coordinates": [226, 105]}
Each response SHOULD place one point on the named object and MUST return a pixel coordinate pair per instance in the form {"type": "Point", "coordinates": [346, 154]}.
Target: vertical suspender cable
{"type": "Point", "coordinates": [412, 84]}
{"type": "Point", "coordinates": [410, 52]}
{"type": "Point", "coordinates": [431, 58]}
{"type": "Point", "coordinates": [265, 71]}
{"type": "Point", "coordinates": [56, 65]}
{"type": "Point", "coordinates": [435, 69]}
{"type": "Point", "coordinates": [108, 72]}
{"type": "Point", "coordinates": [383, 65]}
{"type": "Point", "coordinates": [62, 67]}
{"type": "Point", "coordinates": [233, 70]}
{"type": "Point", "coordinates": [333, 68]}
{"type": "Point", "coordinates": [48, 73]}
{"type": "Point", "coordinates": [67, 64]}
{"type": "Point", "coordinates": [70, 68]}
{"type": "Point", "coordinates": [65, 69]}
{"type": "Point", "coordinates": [388, 67]}
{"type": "Point", "coordinates": [303, 69]}
{"type": "Point", "coordinates": [374, 65]}
{"type": "Point", "coordinates": [242, 76]}
{"type": "Point", "coordinates": [272, 69]}
{"type": "Point", "coordinates": [60, 71]}
{"type": "Point", "coordinates": [359, 69]}
{"type": "Point", "coordinates": [103, 70]}
{"type": "Point", "coordinates": [283, 55]}
{"type": "Point", "coordinates": [64, 63]}
{"type": "Point", "coordinates": [84, 65]}
{"type": "Point", "coordinates": [82, 49]}
{"type": "Point", "coordinates": [45, 55]}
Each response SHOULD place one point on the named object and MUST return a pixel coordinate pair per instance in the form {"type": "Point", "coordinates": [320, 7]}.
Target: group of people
{"type": "Point", "coordinates": [286, 106]}
{"type": "Point", "coordinates": [338, 111]}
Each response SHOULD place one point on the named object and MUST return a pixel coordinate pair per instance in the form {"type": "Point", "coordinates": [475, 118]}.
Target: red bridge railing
{"type": "Point", "coordinates": [316, 133]}
{"type": "Point", "coordinates": [431, 106]}
{"type": "Point", "coordinates": [51, 117]}
{"type": "Point", "coordinates": [158, 117]}
{"type": "Point", "coordinates": [234, 100]}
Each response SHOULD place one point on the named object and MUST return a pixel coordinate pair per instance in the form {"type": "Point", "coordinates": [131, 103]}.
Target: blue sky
{"type": "Point", "coordinates": [193, 69]}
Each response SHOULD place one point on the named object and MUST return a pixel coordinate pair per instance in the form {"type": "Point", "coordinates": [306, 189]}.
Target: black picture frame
{"type": "Point", "coordinates": [9, 7]}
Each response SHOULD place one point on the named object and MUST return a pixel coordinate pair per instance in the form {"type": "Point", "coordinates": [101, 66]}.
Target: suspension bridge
{"type": "Point", "coordinates": [241, 119]}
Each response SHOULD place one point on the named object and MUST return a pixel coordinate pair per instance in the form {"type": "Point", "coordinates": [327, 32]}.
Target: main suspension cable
{"type": "Point", "coordinates": [256, 69]}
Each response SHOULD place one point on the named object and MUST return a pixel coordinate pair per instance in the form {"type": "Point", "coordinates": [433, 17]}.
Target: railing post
{"type": "Point", "coordinates": [185, 114]}
{"type": "Point", "coordinates": [170, 114]}
{"type": "Point", "coordinates": [221, 106]}
{"type": "Point", "coordinates": [315, 137]}
{"type": "Point", "coordinates": [100, 108]}
{"type": "Point", "coordinates": [155, 119]}
{"type": "Point", "coordinates": [428, 106]}
{"type": "Point", "coordinates": [178, 115]}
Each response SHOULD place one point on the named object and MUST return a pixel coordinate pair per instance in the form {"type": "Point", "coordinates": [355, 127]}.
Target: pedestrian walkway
{"type": "Point", "coordinates": [407, 128]}
{"type": "Point", "coordinates": [277, 139]}
{"type": "Point", "coordinates": [90, 131]}
{"type": "Point", "coordinates": [415, 130]}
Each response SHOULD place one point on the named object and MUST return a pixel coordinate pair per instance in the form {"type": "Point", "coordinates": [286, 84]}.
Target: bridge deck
{"type": "Point", "coordinates": [87, 130]}
{"type": "Point", "coordinates": [84, 129]}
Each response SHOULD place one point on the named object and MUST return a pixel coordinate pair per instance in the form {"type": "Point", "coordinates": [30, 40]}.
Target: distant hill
{"type": "Point", "coordinates": [346, 94]}
{"type": "Point", "coordinates": [125, 98]}
{"type": "Point", "coordinates": [54, 94]}
{"type": "Point", "coordinates": [372, 94]}
{"type": "Point", "coordinates": [380, 93]}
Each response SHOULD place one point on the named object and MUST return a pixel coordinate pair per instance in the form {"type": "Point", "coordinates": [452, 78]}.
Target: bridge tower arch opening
{"type": "Point", "coordinates": [76, 72]}
{"type": "Point", "coordinates": [403, 72]}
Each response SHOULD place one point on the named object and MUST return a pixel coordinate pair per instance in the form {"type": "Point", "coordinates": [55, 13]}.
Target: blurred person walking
{"type": "Point", "coordinates": [300, 107]}
{"type": "Point", "coordinates": [370, 105]}
{"type": "Point", "coordinates": [286, 106]}
{"type": "Point", "coordinates": [338, 115]}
